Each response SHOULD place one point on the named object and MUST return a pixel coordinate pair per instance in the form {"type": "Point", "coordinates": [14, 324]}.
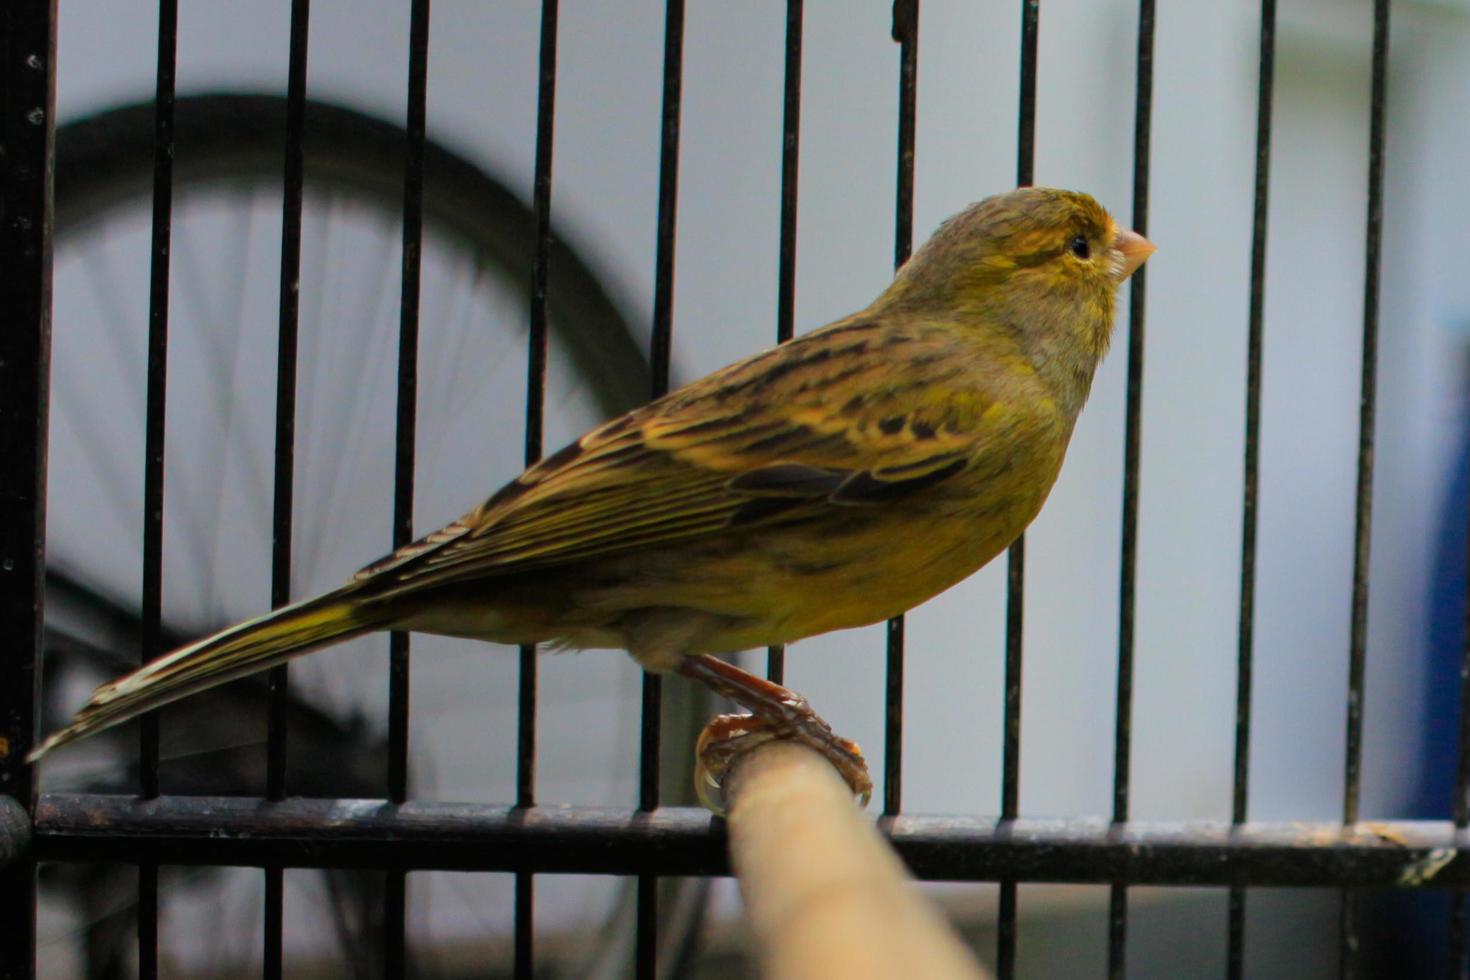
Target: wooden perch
{"type": "Point", "coordinates": [825, 893]}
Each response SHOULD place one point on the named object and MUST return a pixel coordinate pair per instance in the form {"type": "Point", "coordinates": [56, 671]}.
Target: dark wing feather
{"type": "Point", "coordinates": [789, 480]}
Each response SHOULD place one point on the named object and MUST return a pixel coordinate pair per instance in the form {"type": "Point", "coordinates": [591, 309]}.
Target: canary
{"type": "Point", "coordinates": [834, 481]}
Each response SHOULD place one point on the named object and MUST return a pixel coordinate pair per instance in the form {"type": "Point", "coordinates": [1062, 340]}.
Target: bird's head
{"type": "Point", "coordinates": [1041, 262]}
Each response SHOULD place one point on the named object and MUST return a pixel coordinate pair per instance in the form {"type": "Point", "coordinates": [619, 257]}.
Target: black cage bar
{"type": "Point", "coordinates": [396, 834]}
{"type": "Point", "coordinates": [27, 102]}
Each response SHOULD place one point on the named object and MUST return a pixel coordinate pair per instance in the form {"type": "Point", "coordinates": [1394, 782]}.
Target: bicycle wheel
{"type": "Point", "coordinates": [226, 233]}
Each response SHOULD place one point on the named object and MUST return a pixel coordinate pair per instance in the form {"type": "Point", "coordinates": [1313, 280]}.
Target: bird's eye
{"type": "Point", "coordinates": [1079, 247]}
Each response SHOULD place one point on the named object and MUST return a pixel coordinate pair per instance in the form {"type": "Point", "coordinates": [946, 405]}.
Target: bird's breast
{"type": "Point", "coordinates": [855, 565]}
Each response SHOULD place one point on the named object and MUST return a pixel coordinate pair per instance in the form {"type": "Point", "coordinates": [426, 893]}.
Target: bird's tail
{"type": "Point", "coordinates": [243, 649]}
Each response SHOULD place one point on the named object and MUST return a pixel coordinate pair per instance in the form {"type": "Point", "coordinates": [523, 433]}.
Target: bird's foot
{"type": "Point", "coordinates": [777, 713]}
{"type": "Point", "coordinates": [727, 737]}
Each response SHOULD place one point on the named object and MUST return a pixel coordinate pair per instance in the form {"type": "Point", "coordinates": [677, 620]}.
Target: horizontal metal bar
{"type": "Point", "coordinates": [302, 832]}
{"type": "Point", "coordinates": [688, 841]}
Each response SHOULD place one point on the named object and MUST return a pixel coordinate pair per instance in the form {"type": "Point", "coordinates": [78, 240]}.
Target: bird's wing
{"type": "Point", "coordinates": [844, 417]}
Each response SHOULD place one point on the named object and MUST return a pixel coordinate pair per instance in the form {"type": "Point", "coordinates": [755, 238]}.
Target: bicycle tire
{"type": "Point", "coordinates": [106, 159]}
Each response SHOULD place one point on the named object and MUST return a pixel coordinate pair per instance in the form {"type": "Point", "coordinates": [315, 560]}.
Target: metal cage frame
{"type": "Point", "coordinates": [397, 834]}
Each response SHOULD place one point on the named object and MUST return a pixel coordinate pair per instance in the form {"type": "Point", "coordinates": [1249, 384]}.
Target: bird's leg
{"type": "Point", "coordinates": [776, 712]}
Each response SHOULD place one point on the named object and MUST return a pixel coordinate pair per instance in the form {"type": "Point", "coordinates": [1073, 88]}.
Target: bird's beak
{"type": "Point", "coordinates": [1134, 248]}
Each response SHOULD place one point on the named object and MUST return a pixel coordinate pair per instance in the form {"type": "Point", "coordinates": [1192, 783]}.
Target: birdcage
{"type": "Point", "coordinates": [334, 795]}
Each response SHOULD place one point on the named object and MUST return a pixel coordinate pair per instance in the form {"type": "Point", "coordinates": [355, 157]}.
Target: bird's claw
{"type": "Point", "coordinates": [727, 737]}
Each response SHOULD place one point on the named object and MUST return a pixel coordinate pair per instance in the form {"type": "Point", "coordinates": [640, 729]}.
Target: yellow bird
{"type": "Point", "coordinates": [834, 481]}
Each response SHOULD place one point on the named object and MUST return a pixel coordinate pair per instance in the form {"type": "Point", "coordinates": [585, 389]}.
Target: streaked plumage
{"type": "Point", "coordinates": [831, 482]}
